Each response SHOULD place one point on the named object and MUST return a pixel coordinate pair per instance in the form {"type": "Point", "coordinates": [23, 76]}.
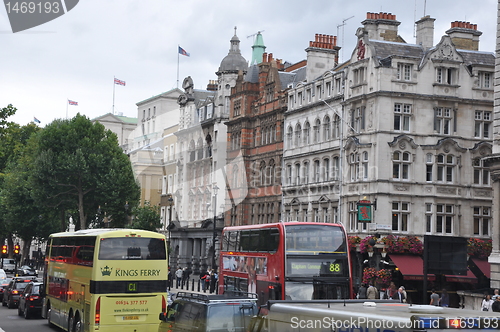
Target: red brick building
{"type": "Point", "coordinates": [255, 134]}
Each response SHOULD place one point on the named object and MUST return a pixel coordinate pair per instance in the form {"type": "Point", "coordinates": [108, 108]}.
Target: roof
{"type": "Point", "coordinates": [384, 49]}
{"type": "Point", "coordinates": [295, 76]}
{"type": "Point", "coordinates": [477, 57]}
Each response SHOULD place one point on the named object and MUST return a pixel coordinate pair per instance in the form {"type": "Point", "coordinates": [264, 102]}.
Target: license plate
{"type": "Point", "coordinates": [130, 317]}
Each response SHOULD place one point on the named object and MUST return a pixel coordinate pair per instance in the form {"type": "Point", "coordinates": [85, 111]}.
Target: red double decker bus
{"type": "Point", "coordinates": [290, 260]}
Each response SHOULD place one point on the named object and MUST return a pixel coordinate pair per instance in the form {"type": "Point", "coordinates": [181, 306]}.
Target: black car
{"type": "Point", "coordinates": [199, 312]}
{"type": "Point", "coordinates": [14, 289]}
{"type": "Point", "coordinates": [26, 270]}
{"type": "Point", "coordinates": [3, 285]}
{"type": "Point", "coordinates": [30, 301]}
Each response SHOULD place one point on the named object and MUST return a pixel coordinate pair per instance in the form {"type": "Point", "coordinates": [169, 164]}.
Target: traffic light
{"type": "Point", "coordinates": [16, 249]}
{"type": "Point", "coordinates": [5, 251]}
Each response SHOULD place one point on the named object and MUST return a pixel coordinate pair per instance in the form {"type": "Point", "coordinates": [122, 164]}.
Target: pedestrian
{"type": "Point", "coordinates": [392, 291]}
{"type": "Point", "coordinates": [487, 303]}
{"type": "Point", "coordinates": [203, 276]}
{"type": "Point", "coordinates": [213, 280]}
{"type": "Point", "coordinates": [178, 275]}
{"type": "Point", "coordinates": [445, 298]}
{"type": "Point", "coordinates": [362, 291]}
{"type": "Point", "coordinates": [170, 276]}
{"type": "Point", "coordinates": [495, 294]}
{"type": "Point", "coordinates": [184, 276]}
{"type": "Point", "coordinates": [401, 295]}
{"type": "Point", "coordinates": [371, 292]}
{"type": "Point", "coordinates": [434, 298]}
{"type": "Point", "coordinates": [496, 305]}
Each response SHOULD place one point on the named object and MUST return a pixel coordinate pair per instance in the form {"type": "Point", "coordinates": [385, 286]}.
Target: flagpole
{"type": "Point", "coordinates": [67, 102]}
{"type": "Point", "coordinates": [114, 95]}
{"type": "Point", "coordinates": [178, 66]}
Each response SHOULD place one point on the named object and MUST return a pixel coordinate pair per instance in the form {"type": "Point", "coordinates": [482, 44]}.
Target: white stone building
{"type": "Point", "coordinates": [403, 126]}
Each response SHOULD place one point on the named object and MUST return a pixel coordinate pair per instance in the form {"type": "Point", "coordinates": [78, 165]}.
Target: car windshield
{"type": "Point", "coordinates": [21, 285]}
{"type": "Point", "coordinates": [230, 317]}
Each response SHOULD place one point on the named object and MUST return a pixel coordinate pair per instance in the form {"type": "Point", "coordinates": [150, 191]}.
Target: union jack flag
{"type": "Point", "coordinates": [71, 102]}
{"type": "Point", "coordinates": [183, 51]}
{"type": "Point", "coordinates": [117, 81]}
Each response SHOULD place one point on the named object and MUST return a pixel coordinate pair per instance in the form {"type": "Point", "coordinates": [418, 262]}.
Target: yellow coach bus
{"type": "Point", "coordinates": [105, 280]}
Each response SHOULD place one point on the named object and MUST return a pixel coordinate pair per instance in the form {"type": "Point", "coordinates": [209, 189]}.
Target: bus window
{"type": "Point", "coordinates": [123, 248]}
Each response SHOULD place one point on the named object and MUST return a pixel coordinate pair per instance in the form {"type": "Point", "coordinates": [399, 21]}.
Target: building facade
{"type": "Point", "coordinates": [401, 127]}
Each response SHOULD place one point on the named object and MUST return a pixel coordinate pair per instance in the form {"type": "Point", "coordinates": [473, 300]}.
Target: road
{"type": "Point", "coordinates": [11, 322]}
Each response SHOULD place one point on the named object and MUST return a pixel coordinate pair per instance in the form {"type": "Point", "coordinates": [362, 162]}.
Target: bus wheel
{"type": "Point", "coordinates": [49, 312]}
{"type": "Point", "coordinates": [75, 324]}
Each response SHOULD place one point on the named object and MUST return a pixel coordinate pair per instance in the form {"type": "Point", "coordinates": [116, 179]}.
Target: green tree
{"type": "Point", "coordinates": [147, 217]}
{"type": "Point", "coordinates": [79, 166]}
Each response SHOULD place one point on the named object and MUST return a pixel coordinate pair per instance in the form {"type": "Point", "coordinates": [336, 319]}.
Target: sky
{"type": "Point", "coordinates": [77, 55]}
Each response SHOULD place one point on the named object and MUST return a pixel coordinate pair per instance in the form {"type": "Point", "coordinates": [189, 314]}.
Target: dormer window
{"type": "Point", "coordinates": [446, 75]}
{"type": "Point", "coordinates": [359, 75]}
{"type": "Point", "coordinates": [485, 80]}
{"type": "Point", "coordinates": [404, 71]}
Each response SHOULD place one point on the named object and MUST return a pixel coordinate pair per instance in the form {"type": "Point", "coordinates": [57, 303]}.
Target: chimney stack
{"type": "Point", "coordinates": [212, 85]}
{"type": "Point", "coordinates": [381, 26]}
{"type": "Point", "coordinates": [425, 32]}
{"type": "Point", "coordinates": [464, 35]}
{"type": "Point", "coordinates": [322, 54]}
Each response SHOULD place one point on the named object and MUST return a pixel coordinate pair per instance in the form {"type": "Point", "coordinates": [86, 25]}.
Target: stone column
{"type": "Point", "coordinates": [493, 162]}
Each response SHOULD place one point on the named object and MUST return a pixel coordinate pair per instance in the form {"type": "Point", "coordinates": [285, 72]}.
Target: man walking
{"type": "Point", "coordinates": [178, 276]}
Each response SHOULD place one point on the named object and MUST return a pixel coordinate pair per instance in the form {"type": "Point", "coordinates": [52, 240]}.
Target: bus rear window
{"type": "Point", "coordinates": [132, 248]}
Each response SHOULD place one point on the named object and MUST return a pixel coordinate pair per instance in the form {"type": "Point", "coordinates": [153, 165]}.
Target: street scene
{"type": "Point", "coordinates": [350, 173]}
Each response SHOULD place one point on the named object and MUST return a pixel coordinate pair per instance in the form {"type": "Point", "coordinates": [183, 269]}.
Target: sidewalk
{"type": "Point", "coordinates": [192, 286]}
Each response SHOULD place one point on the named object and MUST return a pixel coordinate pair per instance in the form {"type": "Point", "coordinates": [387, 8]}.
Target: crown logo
{"type": "Point", "coordinates": [106, 271]}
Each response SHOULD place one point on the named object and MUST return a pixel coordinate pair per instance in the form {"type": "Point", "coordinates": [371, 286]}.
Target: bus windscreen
{"type": "Point", "coordinates": [312, 239]}
{"type": "Point", "coordinates": [132, 248]}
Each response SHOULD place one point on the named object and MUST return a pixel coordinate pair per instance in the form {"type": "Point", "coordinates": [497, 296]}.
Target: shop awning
{"type": "Point", "coordinates": [469, 278]}
{"type": "Point", "coordinates": [483, 265]}
{"type": "Point", "coordinates": [411, 267]}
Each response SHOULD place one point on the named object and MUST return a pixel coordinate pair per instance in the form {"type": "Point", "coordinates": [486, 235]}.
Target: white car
{"type": "Point", "coordinates": [8, 265]}
{"type": "Point", "coordinates": [3, 274]}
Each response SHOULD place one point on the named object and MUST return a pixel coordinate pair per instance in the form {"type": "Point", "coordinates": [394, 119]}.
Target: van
{"type": "Point", "coordinates": [8, 265]}
{"type": "Point", "coordinates": [202, 313]}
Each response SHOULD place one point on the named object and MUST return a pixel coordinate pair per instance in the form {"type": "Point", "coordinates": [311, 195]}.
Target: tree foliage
{"type": "Point", "coordinates": [147, 217]}
{"type": "Point", "coordinates": [79, 166]}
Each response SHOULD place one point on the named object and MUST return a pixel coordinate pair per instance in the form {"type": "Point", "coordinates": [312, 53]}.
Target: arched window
{"type": "Point", "coordinates": [289, 137]}
{"type": "Point", "coordinates": [326, 129]}
{"type": "Point", "coordinates": [298, 133]}
{"type": "Point", "coordinates": [307, 132]}
{"type": "Point", "coordinates": [262, 173]}
{"type": "Point", "coordinates": [317, 128]}
{"type": "Point", "coordinates": [192, 151]}
{"type": "Point", "coordinates": [336, 127]}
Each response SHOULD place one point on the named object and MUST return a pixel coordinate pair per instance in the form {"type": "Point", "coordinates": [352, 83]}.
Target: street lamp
{"type": "Point", "coordinates": [169, 227]}
{"type": "Point", "coordinates": [215, 190]}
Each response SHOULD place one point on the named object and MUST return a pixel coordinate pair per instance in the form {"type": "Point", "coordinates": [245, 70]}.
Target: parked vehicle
{"type": "Point", "coordinates": [13, 291]}
{"type": "Point", "coordinates": [3, 285]}
{"type": "Point", "coordinates": [8, 264]}
{"type": "Point", "coordinates": [199, 312]}
{"type": "Point", "coordinates": [31, 301]}
{"type": "Point", "coordinates": [26, 270]}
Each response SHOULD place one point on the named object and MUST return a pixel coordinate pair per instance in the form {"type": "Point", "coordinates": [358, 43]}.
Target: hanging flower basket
{"type": "Point", "coordinates": [353, 241]}
{"type": "Point", "coordinates": [384, 276]}
{"type": "Point", "coordinates": [479, 248]}
{"type": "Point", "coordinates": [365, 246]}
{"type": "Point", "coordinates": [369, 275]}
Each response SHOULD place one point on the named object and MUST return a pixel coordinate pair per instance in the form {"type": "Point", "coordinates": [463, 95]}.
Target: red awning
{"type": "Point", "coordinates": [411, 267]}
{"type": "Point", "coordinates": [484, 266]}
{"type": "Point", "coordinates": [470, 278]}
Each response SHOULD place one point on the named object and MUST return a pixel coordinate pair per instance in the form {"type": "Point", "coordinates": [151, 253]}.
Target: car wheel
{"type": "Point", "coordinates": [26, 312]}
{"type": "Point", "coordinates": [4, 303]}
{"type": "Point", "coordinates": [19, 312]}
{"type": "Point", "coordinates": [10, 305]}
